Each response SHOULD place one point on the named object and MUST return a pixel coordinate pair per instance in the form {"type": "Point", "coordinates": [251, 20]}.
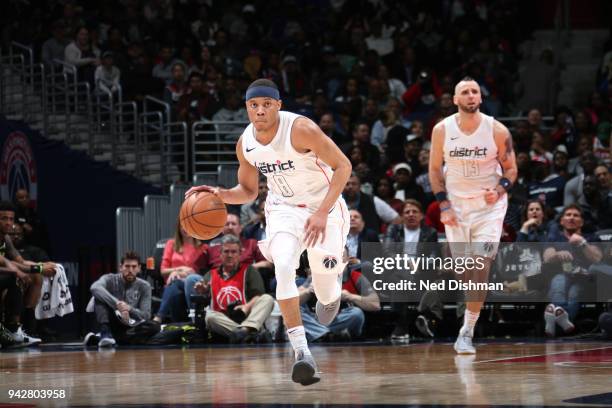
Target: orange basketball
{"type": "Point", "coordinates": [203, 215]}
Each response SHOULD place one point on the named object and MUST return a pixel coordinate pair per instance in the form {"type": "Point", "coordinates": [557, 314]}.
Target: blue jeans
{"type": "Point", "coordinates": [350, 318]}
{"type": "Point", "coordinates": [565, 291]}
{"type": "Point", "coordinates": [173, 302]}
{"type": "Point", "coordinates": [190, 282]}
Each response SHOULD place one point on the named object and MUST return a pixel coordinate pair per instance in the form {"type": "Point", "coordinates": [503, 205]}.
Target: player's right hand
{"type": "Point", "coordinates": [448, 217]}
{"type": "Point", "coordinates": [197, 189]}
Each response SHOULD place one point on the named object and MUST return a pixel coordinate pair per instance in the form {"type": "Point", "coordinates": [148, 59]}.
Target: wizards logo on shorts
{"type": "Point", "coordinates": [330, 262]}
{"type": "Point", "coordinates": [17, 169]}
{"type": "Point", "coordinates": [276, 167]}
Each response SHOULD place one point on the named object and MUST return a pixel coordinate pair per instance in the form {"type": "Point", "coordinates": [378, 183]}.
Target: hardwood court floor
{"type": "Point", "coordinates": [519, 374]}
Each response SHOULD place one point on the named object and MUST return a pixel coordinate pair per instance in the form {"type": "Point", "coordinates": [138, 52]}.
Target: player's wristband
{"type": "Point", "coordinates": [505, 183]}
{"type": "Point", "coordinates": [441, 196]}
{"type": "Point", "coordinates": [442, 209]}
{"type": "Point", "coordinates": [36, 268]}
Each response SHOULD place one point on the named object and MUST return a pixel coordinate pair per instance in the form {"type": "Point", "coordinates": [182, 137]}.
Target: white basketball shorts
{"type": "Point", "coordinates": [282, 217]}
{"type": "Point", "coordinates": [479, 224]}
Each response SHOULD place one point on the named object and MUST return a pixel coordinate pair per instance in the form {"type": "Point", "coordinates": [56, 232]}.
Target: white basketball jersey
{"type": "Point", "coordinates": [299, 179]}
{"type": "Point", "coordinates": [471, 164]}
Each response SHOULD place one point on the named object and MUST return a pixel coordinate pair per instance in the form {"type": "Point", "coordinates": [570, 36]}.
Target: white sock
{"type": "Point", "coordinates": [562, 319]}
{"type": "Point", "coordinates": [297, 337]}
{"type": "Point", "coordinates": [469, 322]}
{"type": "Point", "coordinates": [549, 320]}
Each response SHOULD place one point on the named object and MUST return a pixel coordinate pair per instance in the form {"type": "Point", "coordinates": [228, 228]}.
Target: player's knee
{"type": "Point", "coordinates": [324, 262]}
{"type": "Point", "coordinates": [284, 269]}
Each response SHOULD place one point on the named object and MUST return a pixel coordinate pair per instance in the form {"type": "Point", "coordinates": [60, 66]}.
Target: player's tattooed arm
{"type": "Point", "coordinates": [436, 159]}
{"type": "Point", "coordinates": [505, 151]}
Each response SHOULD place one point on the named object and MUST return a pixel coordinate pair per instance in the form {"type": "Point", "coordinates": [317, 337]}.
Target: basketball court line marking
{"type": "Point", "coordinates": [540, 355]}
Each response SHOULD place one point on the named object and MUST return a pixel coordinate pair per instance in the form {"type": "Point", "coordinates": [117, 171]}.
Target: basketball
{"type": "Point", "coordinates": [203, 215]}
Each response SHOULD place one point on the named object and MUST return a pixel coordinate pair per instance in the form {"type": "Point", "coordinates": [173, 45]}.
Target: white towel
{"type": "Point", "coordinates": [55, 299]}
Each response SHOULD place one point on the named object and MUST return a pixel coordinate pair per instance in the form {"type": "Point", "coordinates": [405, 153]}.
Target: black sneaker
{"type": "Point", "coordinates": [106, 340]}
{"type": "Point", "coordinates": [304, 369]}
{"type": "Point", "coordinates": [400, 333]}
{"type": "Point", "coordinates": [423, 325]}
{"type": "Point", "coordinates": [91, 339]}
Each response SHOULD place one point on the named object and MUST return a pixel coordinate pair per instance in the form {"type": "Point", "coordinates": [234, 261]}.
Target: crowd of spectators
{"type": "Point", "coordinates": [376, 77]}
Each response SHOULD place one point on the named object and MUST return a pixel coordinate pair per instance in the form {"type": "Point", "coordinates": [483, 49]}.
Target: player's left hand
{"type": "Point", "coordinates": [491, 196]}
{"type": "Point", "coordinates": [315, 227]}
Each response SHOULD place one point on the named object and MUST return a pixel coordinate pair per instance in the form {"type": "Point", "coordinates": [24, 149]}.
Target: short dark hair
{"type": "Point", "coordinates": [195, 74]}
{"type": "Point", "coordinates": [534, 201]}
{"type": "Point", "coordinates": [132, 256]}
{"type": "Point", "coordinates": [467, 78]}
{"type": "Point", "coordinates": [263, 82]}
{"type": "Point", "coordinates": [572, 207]}
{"type": "Point", "coordinates": [7, 206]}
{"type": "Point", "coordinates": [413, 202]}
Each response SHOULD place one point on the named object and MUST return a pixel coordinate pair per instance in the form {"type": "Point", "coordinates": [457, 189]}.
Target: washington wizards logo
{"type": "Point", "coordinates": [330, 262]}
{"type": "Point", "coordinates": [228, 295]}
{"type": "Point", "coordinates": [17, 167]}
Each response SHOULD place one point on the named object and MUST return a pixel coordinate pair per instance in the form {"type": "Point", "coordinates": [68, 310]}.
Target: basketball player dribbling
{"type": "Point", "coordinates": [306, 173]}
{"type": "Point", "coordinates": [479, 169]}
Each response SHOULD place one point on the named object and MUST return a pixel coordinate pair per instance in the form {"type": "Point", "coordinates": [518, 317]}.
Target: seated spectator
{"type": "Point", "coordinates": [604, 181]}
{"type": "Point", "coordinates": [386, 192]}
{"type": "Point", "coordinates": [22, 280]}
{"type": "Point", "coordinates": [361, 137]}
{"type": "Point", "coordinates": [391, 117]}
{"type": "Point", "coordinates": [421, 97]}
{"type": "Point", "coordinates": [538, 148]}
{"type": "Point", "coordinates": [534, 223]}
{"type": "Point", "coordinates": [27, 251]}
{"type": "Point", "coordinates": [412, 147]}
{"type": "Point", "coordinates": [239, 305]}
{"type": "Point", "coordinates": [177, 86]}
{"type": "Point", "coordinates": [232, 111]}
{"type": "Point", "coordinates": [137, 74]}
{"type": "Point", "coordinates": [183, 256]}
{"type": "Point", "coordinates": [328, 126]}
{"type": "Point", "coordinates": [396, 87]}
{"type": "Point", "coordinates": [54, 47]}
{"type": "Point", "coordinates": [195, 104]}
{"type": "Point", "coordinates": [396, 139]}
{"type": "Point", "coordinates": [405, 186]}
{"type": "Point", "coordinates": [163, 66]}
{"type": "Point", "coordinates": [256, 229]}
{"type": "Point", "coordinates": [250, 211]}
{"type": "Point", "coordinates": [412, 232]}
{"type": "Point", "coordinates": [594, 205]}
{"type": "Point", "coordinates": [83, 54]}
{"type": "Point", "coordinates": [34, 229]}
{"type": "Point", "coordinates": [422, 179]}
{"type": "Point", "coordinates": [120, 299]}
{"type": "Point", "coordinates": [569, 258]}
{"type": "Point", "coordinates": [357, 296]}
{"type": "Point", "coordinates": [561, 162]}
{"type": "Point", "coordinates": [249, 251]}
{"type": "Point", "coordinates": [358, 234]}
{"type": "Point", "coordinates": [573, 188]}
{"type": "Point", "coordinates": [351, 98]}
{"type": "Point", "coordinates": [107, 75]}
{"type": "Point", "coordinates": [546, 187]}
{"type": "Point", "coordinates": [373, 209]}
